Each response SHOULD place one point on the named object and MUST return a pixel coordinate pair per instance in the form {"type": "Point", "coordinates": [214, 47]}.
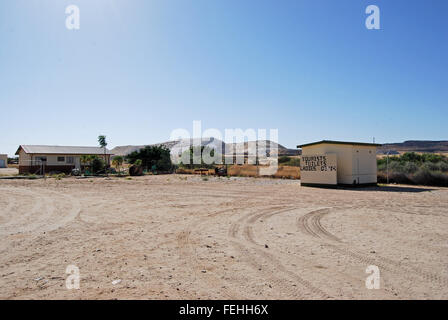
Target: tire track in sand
{"type": "Point", "coordinates": [310, 223]}
{"type": "Point", "coordinates": [249, 236]}
{"type": "Point", "coordinates": [44, 214]}
{"type": "Point", "coordinates": [273, 271]}
{"type": "Point", "coordinates": [188, 252]}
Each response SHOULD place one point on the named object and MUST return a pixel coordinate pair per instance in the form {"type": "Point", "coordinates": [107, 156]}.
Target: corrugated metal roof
{"type": "Point", "coordinates": [33, 149]}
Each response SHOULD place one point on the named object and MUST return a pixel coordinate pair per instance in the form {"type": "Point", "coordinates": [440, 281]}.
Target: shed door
{"type": "Point", "coordinates": [2, 164]}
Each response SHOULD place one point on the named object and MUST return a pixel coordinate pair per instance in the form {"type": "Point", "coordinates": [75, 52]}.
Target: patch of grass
{"type": "Point", "coordinates": [289, 161]}
{"type": "Point", "coordinates": [58, 176]}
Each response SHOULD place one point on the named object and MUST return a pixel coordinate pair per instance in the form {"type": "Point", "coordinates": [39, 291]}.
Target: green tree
{"type": "Point", "coordinates": [158, 157]}
{"type": "Point", "coordinates": [97, 164]}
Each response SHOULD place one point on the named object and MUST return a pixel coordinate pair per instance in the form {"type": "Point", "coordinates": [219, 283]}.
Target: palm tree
{"type": "Point", "coordinates": [103, 144]}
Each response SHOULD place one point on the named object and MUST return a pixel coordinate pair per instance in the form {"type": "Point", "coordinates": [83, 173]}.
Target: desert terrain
{"type": "Point", "coordinates": [185, 237]}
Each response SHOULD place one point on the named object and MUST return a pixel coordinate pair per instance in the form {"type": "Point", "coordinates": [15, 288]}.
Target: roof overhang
{"type": "Point", "coordinates": [18, 150]}
{"type": "Point", "coordinates": [340, 142]}
{"type": "Point", "coordinates": [65, 150]}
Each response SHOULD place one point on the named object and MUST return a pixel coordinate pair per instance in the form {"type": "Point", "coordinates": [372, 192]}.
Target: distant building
{"type": "Point", "coordinates": [3, 160]}
{"type": "Point", "coordinates": [33, 159]}
{"type": "Point", "coordinates": [329, 162]}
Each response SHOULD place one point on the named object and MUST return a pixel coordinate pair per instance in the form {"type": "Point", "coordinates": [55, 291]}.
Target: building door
{"type": "Point", "coordinates": [2, 164]}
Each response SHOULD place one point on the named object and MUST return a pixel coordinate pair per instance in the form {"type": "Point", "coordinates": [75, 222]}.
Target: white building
{"type": "Point", "coordinates": [56, 158]}
{"type": "Point", "coordinates": [329, 162]}
{"type": "Point", "coordinates": [3, 160]}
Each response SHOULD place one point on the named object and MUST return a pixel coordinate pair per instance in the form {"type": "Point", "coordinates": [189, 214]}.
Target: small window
{"type": "Point", "coordinates": [61, 159]}
{"type": "Point", "coordinates": [43, 159]}
{"type": "Point", "coordinates": [70, 160]}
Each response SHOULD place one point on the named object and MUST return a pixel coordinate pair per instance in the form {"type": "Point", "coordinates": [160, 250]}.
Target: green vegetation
{"type": "Point", "coordinates": [92, 164]}
{"type": "Point", "coordinates": [289, 161]}
{"type": "Point", "coordinates": [189, 154]}
{"type": "Point", "coordinates": [154, 158]}
{"type": "Point", "coordinates": [412, 168]}
{"type": "Point", "coordinates": [98, 165]}
{"type": "Point", "coordinates": [58, 176]}
{"type": "Point", "coordinates": [117, 162]}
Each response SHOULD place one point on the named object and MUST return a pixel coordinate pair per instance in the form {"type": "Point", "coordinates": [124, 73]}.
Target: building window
{"type": "Point", "coordinates": [43, 159]}
{"type": "Point", "coordinates": [70, 160]}
{"type": "Point", "coordinates": [61, 159]}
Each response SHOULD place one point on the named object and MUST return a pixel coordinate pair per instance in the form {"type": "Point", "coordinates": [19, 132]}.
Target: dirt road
{"type": "Point", "coordinates": [180, 237]}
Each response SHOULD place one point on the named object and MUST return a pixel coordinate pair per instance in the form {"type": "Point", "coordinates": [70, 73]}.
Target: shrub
{"type": "Point", "coordinates": [136, 170]}
{"type": "Point", "coordinates": [98, 165]}
{"type": "Point", "coordinates": [289, 161]}
{"type": "Point", "coordinates": [412, 168]}
{"type": "Point", "coordinates": [117, 161]}
{"type": "Point", "coordinates": [283, 159]}
{"type": "Point", "coordinates": [443, 166]}
{"type": "Point", "coordinates": [430, 178]}
{"type": "Point", "coordinates": [396, 166]}
{"type": "Point", "coordinates": [394, 177]}
{"type": "Point", "coordinates": [430, 166]}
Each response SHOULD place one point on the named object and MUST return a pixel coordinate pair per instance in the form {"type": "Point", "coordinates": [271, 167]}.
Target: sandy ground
{"type": "Point", "coordinates": [180, 237]}
{"type": "Point", "coordinates": [8, 171]}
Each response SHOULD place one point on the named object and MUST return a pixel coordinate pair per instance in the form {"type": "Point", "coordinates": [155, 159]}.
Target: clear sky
{"type": "Point", "coordinates": [138, 69]}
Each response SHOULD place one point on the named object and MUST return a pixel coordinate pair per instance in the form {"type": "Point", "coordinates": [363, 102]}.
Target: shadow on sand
{"type": "Point", "coordinates": [389, 188]}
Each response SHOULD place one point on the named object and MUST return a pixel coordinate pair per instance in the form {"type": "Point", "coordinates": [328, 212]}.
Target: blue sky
{"type": "Point", "coordinates": [138, 69]}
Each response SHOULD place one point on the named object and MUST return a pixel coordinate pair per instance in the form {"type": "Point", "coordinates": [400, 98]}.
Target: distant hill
{"type": "Point", "coordinates": [252, 147]}
{"type": "Point", "coordinates": [176, 146]}
{"type": "Point", "coordinates": [415, 146]}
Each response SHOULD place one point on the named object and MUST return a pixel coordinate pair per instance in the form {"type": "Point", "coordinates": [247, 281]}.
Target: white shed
{"type": "Point", "coordinates": [329, 162]}
{"type": "Point", "coordinates": [3, 161]}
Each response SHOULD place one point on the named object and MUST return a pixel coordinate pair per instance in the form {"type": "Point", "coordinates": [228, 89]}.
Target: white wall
{"type": "Point", "coordinates": [354, 162]}
{"type": "Point", "coordinates": [319, 169]}
{"type": "Point", "coordinates": [344, 158]}
{"type": "Point", "coordinates": [364, 164]}
{"type": "Point", "coordinates": [4, 157]}
{"type": "Point", "coordinates": [52, 159]}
